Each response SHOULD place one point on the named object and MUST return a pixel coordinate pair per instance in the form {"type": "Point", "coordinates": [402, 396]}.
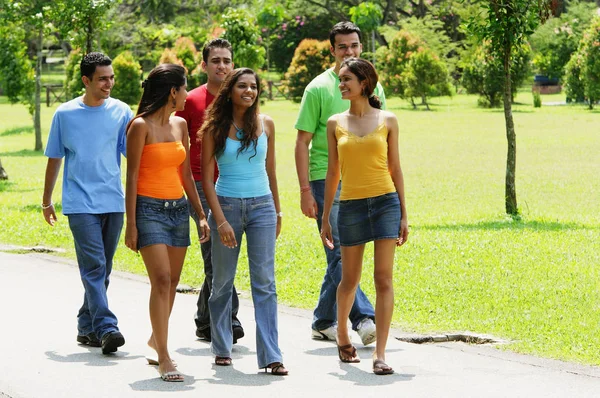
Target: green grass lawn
{"type": "Point", "coordinates": [466, 266]}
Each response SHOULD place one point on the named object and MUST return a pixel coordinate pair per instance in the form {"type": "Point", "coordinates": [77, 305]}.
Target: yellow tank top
{"type": "Point", "coordinates": [159, 175]}
{"type": "Point", "coordinates": [364, 163]}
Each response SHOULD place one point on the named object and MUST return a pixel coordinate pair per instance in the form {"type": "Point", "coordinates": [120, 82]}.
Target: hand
{"type": "Point", "coordinates": [326, 235]}
{"type": "Point", "coordinates": [278, 230]}
{"type": "Point", "coordinates": [308, 205]}
{"type": "Point", "coordinates": [131, 237]}
{"type": "Point", "coordinates": [227, 235]}
{"type": "Point", "coordinates": [403, 233]}
{"type": "Point", "coordinates": [205, 230]}
{"type": "Point", "coordinates": [49, 215]}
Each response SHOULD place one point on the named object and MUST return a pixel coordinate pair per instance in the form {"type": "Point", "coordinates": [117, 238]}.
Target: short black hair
{"type": "Point", "coordinates": [91, 60]}
{"type": "Point", "coordinates": [343, 28]}
{"type": "Point", "coordinates": [216, 43]}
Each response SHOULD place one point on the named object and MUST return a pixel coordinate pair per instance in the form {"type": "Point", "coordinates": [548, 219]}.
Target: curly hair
{"type": "Point", "coordinates": [90, 61]}
{"type": "Point", "coordinates": [219, 115]}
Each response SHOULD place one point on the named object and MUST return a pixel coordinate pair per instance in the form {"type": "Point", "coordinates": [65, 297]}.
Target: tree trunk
{"type": "Point", "coordinates": [3, 175]}
{"type": "Point", "coordinates": [89, 38]}
{"type": "Point", "coordinates": [37, 125]}
{"type": "Point", "coordinates": [511, 137]}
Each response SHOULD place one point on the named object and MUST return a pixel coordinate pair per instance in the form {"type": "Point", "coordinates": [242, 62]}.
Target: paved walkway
{"type": "Point", "coordinates": [40, 295]}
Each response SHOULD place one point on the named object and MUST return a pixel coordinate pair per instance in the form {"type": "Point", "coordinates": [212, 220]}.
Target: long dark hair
{"type": "Point", "coordinates": [157, 88]}
{"type": "Point", "coordinates": [219, 115]}
{"type": "Point", "coordinates": [365, 72]}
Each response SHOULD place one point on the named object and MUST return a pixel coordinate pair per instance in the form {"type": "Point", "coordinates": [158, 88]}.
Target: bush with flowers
{"type": "Point", "coordinates": [311, 58]}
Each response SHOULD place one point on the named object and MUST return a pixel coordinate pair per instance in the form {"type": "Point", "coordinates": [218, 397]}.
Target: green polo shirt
{"type": "Point", "coordinates": [321, 100]}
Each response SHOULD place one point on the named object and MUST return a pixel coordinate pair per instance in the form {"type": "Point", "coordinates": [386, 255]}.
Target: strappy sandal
{"type": "Point", "coordinates": [381, 368]}
{"type": "Point", "coordinates": [223, 361]}
{"type": "Point", "coordinates": [173, 376]}
{"type": "Point", "coordinates": [277, 369]}
{"type": "Point", "coordinates": [154, 362]}
{"type": "Point", "coordinates": [348, 351]}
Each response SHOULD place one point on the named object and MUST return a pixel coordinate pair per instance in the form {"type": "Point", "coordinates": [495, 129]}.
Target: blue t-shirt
{"type": "Point", "coordinates": [243, 175]}
{"type": "Point", "coordinates": [91, 139]}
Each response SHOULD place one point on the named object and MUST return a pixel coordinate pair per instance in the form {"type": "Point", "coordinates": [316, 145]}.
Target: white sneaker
{"type": "Point", "coordinates": [366, 331]}
{"type": "Point", "coordinates": [326, 334]}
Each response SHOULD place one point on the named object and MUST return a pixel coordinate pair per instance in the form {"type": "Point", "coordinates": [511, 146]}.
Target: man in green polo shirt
{"type": "Point", "coordinates": [321, 100]}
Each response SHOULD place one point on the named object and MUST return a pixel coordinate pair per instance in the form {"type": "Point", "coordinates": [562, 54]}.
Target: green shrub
{"type": "Point", "coordinates": [425, 76]}
{"type": "Point", "coordinates": [73, 84]}
{"type": "Point", "coordinates": [537, 99]}
{"type": "Point", "coordinates": [311, 58]}
{"type": "Point", "coordinates": [483, 73]}
{"type": "Point", "coordinates": [128, 74]}
{"type": "Point", "coordinates": [574, 83]}
{"type": "Point", "coordinates": [186, 51]}
{"type": "Point", "coordinates": [393, 60]}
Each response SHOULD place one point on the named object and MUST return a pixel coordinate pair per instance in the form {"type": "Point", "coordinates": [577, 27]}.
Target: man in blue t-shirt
{"type": "Point", "coordinates": [89, 132]}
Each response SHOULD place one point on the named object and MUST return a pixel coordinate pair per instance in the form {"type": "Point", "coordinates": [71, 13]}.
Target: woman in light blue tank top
{"type": "Point", "coordinates": [243, 200]}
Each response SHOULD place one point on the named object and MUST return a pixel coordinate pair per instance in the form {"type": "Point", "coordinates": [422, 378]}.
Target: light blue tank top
{"type": "Point", "coordinates": [244, 174]}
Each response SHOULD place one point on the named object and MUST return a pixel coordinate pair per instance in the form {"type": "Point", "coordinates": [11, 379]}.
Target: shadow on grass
{"type": "Point", "coordinates": [6, 185]}
{"type": "Point", "coordinates": [22, 153]}
{"type": "Point", "coordinates": [17, 131]}
{"type": "Point", "coordinates": [511, 225]}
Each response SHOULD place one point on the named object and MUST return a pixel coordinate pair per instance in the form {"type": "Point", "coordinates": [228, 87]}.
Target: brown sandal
{"type": "Point", "coordinates": [349, 351]}
{"type": "Point", "coordinates": [381, 368]}
{"type": "Point", "coordinates": [223, 361]}
{"type": "Point", "coordinates": [277, 369]}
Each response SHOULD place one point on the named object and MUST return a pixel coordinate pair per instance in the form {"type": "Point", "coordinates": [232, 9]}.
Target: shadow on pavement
{"type": "Point", "coordinates": [92, 358]}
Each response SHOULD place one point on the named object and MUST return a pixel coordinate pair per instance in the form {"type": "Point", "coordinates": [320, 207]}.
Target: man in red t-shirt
{"type": "Point", "coordinates": [217, 62]}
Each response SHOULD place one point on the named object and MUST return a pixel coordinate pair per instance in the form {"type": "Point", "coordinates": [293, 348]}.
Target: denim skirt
{"type": "Point", "coordinates": [365, 220]}
{"type": "Point", "coordinates": [162, 221]}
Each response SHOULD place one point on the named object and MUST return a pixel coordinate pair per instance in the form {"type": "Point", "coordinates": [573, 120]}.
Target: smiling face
{"type": "Point", "coordinates": [244, 91]}
{"type": "Point", "coordinates": [350, 86]}
{"type": "Point", "coordinates": [219, 64]}
{"type": "Point", "coordinates": [346, 46]}
{"type": "Point", "coordinates": [99, 86]}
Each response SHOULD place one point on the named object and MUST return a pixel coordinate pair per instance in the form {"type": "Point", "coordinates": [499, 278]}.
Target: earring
{"type": "Point", "coordinates": [174, 103]}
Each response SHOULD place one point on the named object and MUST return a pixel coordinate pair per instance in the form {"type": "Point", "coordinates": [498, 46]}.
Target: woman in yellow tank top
{"type": "Point", "coordinates": [363, 146]}
{"type": "Point", "coordinates": [158, 173]}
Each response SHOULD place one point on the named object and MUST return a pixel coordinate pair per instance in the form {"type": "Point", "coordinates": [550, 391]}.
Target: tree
{"type": "Point", "coordinates": [393, 60]}
{"type": "Point", "coordinates": [425, 76]}
{"type": "Point", "coordinates": [506, 25]}
{"type": "Point", "coordinates": [37, 18]}
{"type": "Point", "coordinates": [242, 32]}
{"type": "Point", "coordinates": [367, 16]}
{"type": "Point", "coordinates": [128, 85]}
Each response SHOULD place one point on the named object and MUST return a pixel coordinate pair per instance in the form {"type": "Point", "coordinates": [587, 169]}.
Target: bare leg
{"type": "Point", "coordinates": [164, 266]}
{"type": "Point", "coordinates": [384, 305]}
{"type": "Point", "coordinates": [352, 258]}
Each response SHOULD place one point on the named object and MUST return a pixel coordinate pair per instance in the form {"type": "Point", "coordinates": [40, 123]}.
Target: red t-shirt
{"type": "Point", "coordinates": [194, 112]}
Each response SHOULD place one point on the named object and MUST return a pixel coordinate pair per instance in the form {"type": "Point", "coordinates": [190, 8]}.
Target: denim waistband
{"type": "Point", "coordinates": [248, 201]}
{"type": "Point", "coordinates": [162, 203]}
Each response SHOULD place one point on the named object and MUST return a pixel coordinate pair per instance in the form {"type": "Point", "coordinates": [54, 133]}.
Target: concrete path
{"type": "Point", "coordinates": [40, 296]}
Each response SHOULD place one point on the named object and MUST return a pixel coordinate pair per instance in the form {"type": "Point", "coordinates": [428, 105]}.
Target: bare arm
{"type": "Point", "coordinates": [271, 169]}
{"type": "Point", "coordinates": [52, 169]}
{"type": "Point", "coordinates": [136, 139]}
{"type": "Point", "coordinates": [188, 182]}
{"type": "Point", "coordinates": [331, 181]}
{"type": "Point", "coordinates": [307, 200]}
{"type": "Point", "coordinates": [396, 173]}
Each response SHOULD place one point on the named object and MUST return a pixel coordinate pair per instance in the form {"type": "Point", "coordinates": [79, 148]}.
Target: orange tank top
{"type": "Point", "coordinates": [159, 175]}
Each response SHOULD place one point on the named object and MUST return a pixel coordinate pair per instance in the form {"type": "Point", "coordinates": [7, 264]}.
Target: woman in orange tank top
{"type": "Point", "coordinates": [158, 173]}
{"type": "Point", "coordinates": [363, 144]}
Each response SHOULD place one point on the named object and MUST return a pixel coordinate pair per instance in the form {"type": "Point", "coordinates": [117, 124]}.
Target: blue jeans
{"type": "Point", "coordinates": [96, 238]}
{"type": "Point", "coordinates": [256, 217]}
{"type": "Point", "coordinates": [325, 314]}
{"type": "Point", "coordinates": [202, 316]}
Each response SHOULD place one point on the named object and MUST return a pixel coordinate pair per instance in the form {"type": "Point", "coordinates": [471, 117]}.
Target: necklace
{"type": "Point", "coordinates": [239, 132]}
